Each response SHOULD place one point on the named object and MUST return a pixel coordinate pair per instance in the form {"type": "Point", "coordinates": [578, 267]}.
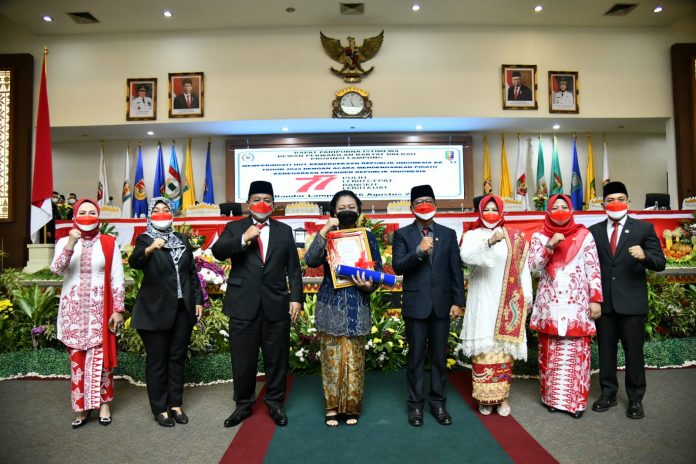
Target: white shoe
{"type": "Point", "coordinates": [485, 410]}
{"type": "Point", "coordinates": [503, 411]}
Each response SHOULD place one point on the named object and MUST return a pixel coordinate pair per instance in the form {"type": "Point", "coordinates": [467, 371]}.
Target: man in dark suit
{"type": "Point", "coordinates": [259, 303]}
{"type": "Point", "coordinates": [427, 255]}
{"type": "Point", "coordinates": [626, 247]}
{"type": "Point", "coordinates": [186, 100]}
{"type": "Point", "coordinates": [518, 91]}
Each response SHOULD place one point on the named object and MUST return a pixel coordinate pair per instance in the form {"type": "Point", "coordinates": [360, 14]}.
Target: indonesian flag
{"type": "Point", "coordinates": [521, 181]}
{"type": "Point", "coordinates": [102, 186]}
{"type": "Point", "coordinates": [42, 185]}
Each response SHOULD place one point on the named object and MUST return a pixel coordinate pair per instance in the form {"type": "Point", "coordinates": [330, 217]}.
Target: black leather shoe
{"type": "Point", "coordinates": [576, 414]}
{"type": "Point", "coordinates": [550, 408]}
{"type": "Point", "coordinates": [180, 418]}
{"type": "Point", "coordinates": [278, 416]}
{"type": "Point", "coordinates": [237, 417]}
{"type": "Point", "coordinates": [603, 404]}
{"type": "Point", "coordinates": [441, 415]}
{"type": "Point", "coordinates": [164, 421]}
{"type": "Point", "coordinates": [635, 410]}
{"type": "Point", "coordinates": [415, 417]}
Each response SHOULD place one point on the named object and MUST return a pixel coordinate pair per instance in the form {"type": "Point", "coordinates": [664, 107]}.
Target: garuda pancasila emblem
{"type": "Point", "coordinates": [351, 56]}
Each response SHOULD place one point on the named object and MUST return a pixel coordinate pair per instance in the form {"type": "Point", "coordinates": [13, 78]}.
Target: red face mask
{"type": "Point", "coordinates": [560, 216]}
{"type": "Point", "coordinates": [261, 208]}
{"type": "Point", "coordinates": [424, 208]}
{"type": "Point", "coordinates": [616, 206]}
{"type": "Point", "coordinates": [161, 217]}
{"type": "Point", "coordinates": [491, 217]}
{"type": "Point", "coordinates": [86, 220]}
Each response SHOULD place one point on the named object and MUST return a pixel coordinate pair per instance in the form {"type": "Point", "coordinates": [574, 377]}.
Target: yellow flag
{"type": "Point", "coordinates": [590, 189]}
{"type": "Point", "coordinates": [505, 188]}
{"type": "Point", "coordinates": [189, 191]}
{"type": "Point", "coordinates": [487, 181]}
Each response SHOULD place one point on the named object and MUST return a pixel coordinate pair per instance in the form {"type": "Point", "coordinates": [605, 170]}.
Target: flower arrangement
{"type": "Point", "coordinates": [210, 272]}
{"type": "Point", "coordinates": [540, 198]}
{"type": "Point", "coordinates": [195, 239]}
{"type": "Point", "coordinates": [64, 210]}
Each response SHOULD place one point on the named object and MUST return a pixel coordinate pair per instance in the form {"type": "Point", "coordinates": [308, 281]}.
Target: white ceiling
{"type": "Point", "coordinates": [124, 16]}
{"type": "Point", "coordinates": [146, 15]}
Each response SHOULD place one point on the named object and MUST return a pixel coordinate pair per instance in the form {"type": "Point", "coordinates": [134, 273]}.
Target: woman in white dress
{"type": "Point", "coordinates": [568, 300]}
{"type": "Point", "coordinates": [499, 294]}
{"type": "Point", "coordinates": [91, 307]}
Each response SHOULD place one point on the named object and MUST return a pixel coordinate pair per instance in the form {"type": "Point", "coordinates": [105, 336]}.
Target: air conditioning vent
{"type": "Point", "coordinates": [621, 9]}
{"type": "Point", "coordinates": [352, 9]}
{"type": "Point", "coordinates": [83, 18]}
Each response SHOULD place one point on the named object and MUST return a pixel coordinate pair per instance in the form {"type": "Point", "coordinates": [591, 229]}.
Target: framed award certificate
{"type": "Point", "coordinates": [348, 247]}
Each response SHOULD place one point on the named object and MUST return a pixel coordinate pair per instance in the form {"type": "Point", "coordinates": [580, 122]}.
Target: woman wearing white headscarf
{"type": "Point", "coordinates": [168, 305]}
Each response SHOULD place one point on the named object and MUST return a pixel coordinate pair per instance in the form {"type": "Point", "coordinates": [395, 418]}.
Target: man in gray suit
{"type": "Point", "coordinates": [427, 255]}
{"type": "Point", "coordinates": [626, 248]}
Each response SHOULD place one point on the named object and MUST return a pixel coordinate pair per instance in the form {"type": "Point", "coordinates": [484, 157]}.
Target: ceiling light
{"type": "Point", "coordinates": [47, 18]}
{"type": "Point", "coordinates": [419, 127]}
{"type": "Point", "coordinates": [167, 14]}
{"type": "Point", "coordinates": [150, 133]}
{"type": "Point", "coordinates": [658, 9]}
{"type": "Point", "coordinates": [415, 7]}
{"type": "Point", "coordinates": [538, 8]}
{"type": "Point", "coordinates": [290, 9]}
{"type": "Point", "coordinates": [556, 126]}
{"type": "Point", "coordinates": [285, 129]}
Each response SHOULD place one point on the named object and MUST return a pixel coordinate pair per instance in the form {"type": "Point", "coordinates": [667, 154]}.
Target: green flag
{"type": "Point", "coordinates": [556, 179]}
{"type": "Point", "coordinates": [542, 190]}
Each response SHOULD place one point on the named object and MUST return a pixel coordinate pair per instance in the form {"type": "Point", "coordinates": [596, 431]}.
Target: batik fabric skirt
{"type": "Point", "coordinates": [564, 371]}
{"type": "Point", "coordinates": [491, 374]}
{"type": "Point", "coordinates": [343, 372]}
{"type": "Point", "coordinates": [91, 384]}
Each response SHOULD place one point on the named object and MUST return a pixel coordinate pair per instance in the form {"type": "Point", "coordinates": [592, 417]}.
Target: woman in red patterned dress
{"type": "Point", "coordinates": [91, 307]}
{"type": "Point", "coordinates": [567, 303]}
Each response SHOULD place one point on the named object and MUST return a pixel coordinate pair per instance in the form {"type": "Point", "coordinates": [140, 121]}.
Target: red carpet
{"type": "Point", "coordinates": [514, 439]}
{"type": "Point", "coordinates": [253, 437]}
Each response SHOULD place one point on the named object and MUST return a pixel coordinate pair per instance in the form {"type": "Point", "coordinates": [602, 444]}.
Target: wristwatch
{"type": "Point", "coordinates": [548, 247]}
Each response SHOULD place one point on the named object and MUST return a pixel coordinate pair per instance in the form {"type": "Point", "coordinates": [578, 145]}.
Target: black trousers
{"type": "Point", "coordinates": [273, 338]}
{"type": "Point", "coordinates": [427, 335]}
{"type": "Point", "coordinates": [164, 364]}
{"type": "Point", "coordinates": [611, 328]}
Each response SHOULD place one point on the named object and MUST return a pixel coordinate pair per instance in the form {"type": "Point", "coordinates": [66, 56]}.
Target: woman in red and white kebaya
{"type": "Point", "coordinates": [90, 310]}
{"type": "Point", "coordinates": [568, 300]}
{"type": "Point", "coordinates": [168, 305]}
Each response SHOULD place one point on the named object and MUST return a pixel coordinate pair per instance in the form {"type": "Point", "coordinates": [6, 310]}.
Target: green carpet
{"type": "Point", "coordinates": [384, 421]}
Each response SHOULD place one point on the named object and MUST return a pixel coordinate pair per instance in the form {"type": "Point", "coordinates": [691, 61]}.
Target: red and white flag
{"type": "Point", "coordinates": [42, 185]}
{"type": "Point", "coordinates": [102, 185]}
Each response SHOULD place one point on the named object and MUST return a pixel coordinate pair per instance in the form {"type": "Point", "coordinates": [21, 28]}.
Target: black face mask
{"type": "Point", "coordinates": [347, 218]}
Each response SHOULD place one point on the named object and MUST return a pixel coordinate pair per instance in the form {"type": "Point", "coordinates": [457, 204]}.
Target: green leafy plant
{"type": "Point", "coordinates": [11, 280]}
{"type": "Point", "coordinates": [304, 340]}
{"type": "Point", "coordinates": [39, 308]}
{"type": "Point", "coordinates": [210, 334]}
{"type": "Point", "coordinates": [108, 229]}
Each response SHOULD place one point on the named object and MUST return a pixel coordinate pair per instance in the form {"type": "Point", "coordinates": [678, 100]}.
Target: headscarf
{"type": "Point", "coordinates": [565, 250]}
{"type": "Point", "coordinates": [482, 206]}
{"type": "Point", "coordinates": [88, 235]}
{"type": "Point", "coordinates": [171, 242]}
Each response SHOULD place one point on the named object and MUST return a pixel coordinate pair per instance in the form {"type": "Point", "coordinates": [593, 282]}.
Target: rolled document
{"type": "Point", "coordinates": [378, 277]}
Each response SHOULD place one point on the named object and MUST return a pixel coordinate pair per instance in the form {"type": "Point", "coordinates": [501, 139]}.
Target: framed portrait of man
{"type": "Point", "coordinates": [519, 86]}
{"type": "Point", "coordinates": [186, 95]}
{"type": "Point", "coordinates": [141, 99]}
{"type": "Point", "coordinates": [563, 92]}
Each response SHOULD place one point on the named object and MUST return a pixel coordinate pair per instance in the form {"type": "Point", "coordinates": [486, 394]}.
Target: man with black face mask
{"type": "Point", "coordinates": [427, 255]}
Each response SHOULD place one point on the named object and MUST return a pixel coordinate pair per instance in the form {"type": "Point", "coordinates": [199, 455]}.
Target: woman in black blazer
{"type": "Point", "coordinates": [168, 305]}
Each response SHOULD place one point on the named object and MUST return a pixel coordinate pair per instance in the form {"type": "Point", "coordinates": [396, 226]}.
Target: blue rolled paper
{"type": "Point", "coordinates": [376, 276]}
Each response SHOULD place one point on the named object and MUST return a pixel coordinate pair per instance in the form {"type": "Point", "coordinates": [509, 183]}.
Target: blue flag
{"type": "Point", "coordinates": [172, 187]}
{"type": "Point", "coordinates": [158, 185]}
{"type": "Point", "coordinates": [576, 192]}
{"type": "Point", "coordinates": [139, 193]}
{"type": "Point", "coordinates": [208, 190]}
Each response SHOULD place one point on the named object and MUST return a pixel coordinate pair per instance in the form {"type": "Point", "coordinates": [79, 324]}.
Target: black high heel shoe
{"type": "Point", "coordinates": [77, 423]}
{"type": "Point", "coordinates": [179, 417]}
{"type": "Point", "coordinates": [164, 420]}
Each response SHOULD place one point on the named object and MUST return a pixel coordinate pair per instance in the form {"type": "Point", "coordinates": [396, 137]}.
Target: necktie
{"type": "Point", "coordinates": [517, 92]}
{"type": "Point", "coordinates": [188, 100]}
{"type": "Point", "coordinates": [614, 237]}
{"type": "Point", "coordinates": [258, 239]}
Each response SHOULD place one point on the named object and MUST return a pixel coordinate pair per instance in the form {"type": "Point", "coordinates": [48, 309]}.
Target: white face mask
{"type": "Point", "coordinates": [72, 201]}
{"type": "Point", "coordinates": [426, 216]}
{"type": "Point", "coordinates": [161, 225]}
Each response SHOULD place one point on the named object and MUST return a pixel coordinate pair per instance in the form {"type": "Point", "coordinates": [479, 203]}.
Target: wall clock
{"type": "Point", "coordinates": [352, 102]}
